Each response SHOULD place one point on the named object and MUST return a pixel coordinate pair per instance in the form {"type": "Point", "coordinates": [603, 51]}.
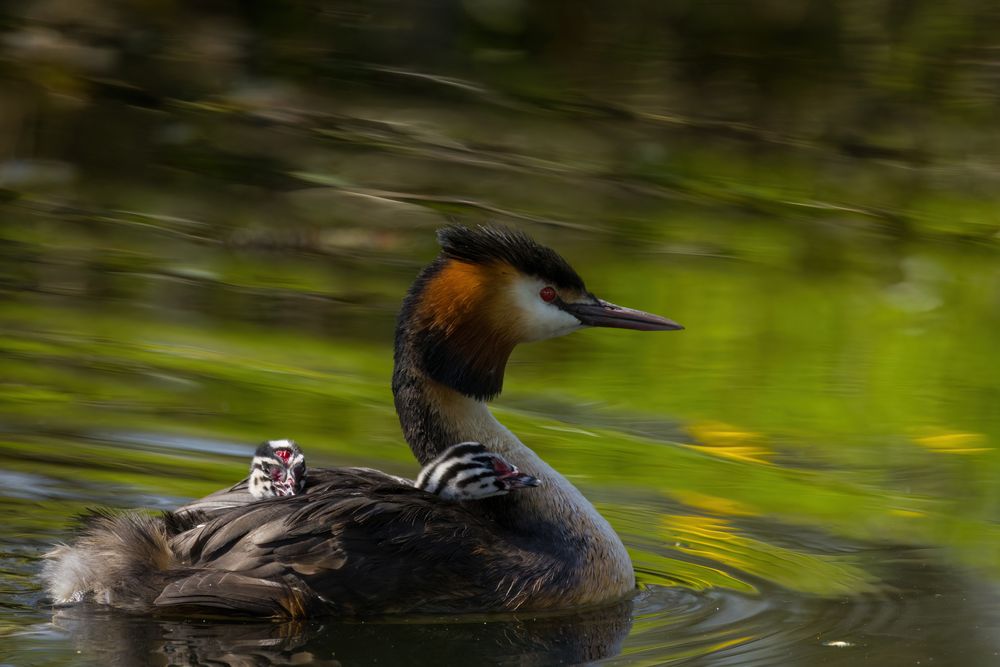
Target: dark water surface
{"type": "Point", "coordinates": [208, 219]}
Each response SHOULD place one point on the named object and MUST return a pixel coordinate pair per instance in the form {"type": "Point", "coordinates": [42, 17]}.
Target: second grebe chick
{"type": "Point", "coordinates": [278, 468]}
{"type": "Point", "coordinates": [467, 471]}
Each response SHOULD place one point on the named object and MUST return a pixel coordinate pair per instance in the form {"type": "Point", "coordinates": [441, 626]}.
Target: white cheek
{"type": "Point", "coordinates": [540, 320]}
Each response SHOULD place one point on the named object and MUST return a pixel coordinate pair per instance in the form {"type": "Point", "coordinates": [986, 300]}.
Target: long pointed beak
{"type": "Point", "coordinates": [605, 314]}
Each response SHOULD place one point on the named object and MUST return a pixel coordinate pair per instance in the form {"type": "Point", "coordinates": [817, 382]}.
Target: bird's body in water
{"type": "Point", "coordinates": [361, 542]}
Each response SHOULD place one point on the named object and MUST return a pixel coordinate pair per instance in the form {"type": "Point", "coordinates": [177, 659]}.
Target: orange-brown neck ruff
{"type": "Point", "coordinates": [463, 325]}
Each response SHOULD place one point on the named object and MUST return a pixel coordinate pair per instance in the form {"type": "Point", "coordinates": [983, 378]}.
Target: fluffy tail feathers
{"type": "Point", "coordinates": [118, 560]}
{"type": "Point", "coordinates": [126, 561]}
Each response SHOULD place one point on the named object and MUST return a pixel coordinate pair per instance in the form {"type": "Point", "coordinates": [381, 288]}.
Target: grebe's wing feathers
{"type": "Point", "coordinates": [244, 595]}
{"type": "Point", "coordinates": [361, 544]}
{"type": "Point", "coordinates": [224, 499]}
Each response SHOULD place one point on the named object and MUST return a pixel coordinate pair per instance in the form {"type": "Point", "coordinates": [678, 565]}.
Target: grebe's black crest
{"type": "Point", "coordinates": [481, 245]}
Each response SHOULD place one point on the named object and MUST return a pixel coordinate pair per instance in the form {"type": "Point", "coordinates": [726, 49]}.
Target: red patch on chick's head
{"type": "Point", "coordinates": [502, 469]}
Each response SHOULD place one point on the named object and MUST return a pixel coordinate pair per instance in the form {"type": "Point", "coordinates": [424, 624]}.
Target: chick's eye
{"type": "Point", "coordinates": [548, 294]}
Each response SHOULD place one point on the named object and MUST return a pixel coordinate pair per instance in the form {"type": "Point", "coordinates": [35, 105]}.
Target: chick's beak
{"type": "Point", "coordinates": [606, 314]}
{"type": "Point", "coordinates": [519, 480]}
{"type": "Point", "coordinates": [288, 486]}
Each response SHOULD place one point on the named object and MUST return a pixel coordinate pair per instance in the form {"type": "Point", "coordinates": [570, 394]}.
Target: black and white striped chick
{"type": "Point", "coordinates": [278, 468]}
{"type": "Point", "coordinates": [467, 471]}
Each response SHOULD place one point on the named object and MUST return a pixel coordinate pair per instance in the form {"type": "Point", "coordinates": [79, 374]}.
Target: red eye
{"type": "Point", "coordinates": [548, 294]}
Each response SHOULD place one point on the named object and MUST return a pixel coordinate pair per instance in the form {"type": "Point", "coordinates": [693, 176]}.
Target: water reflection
{"type": "Point", "coordinates": [661, 625]}
{"type": "Point", "coordinates": [545, 640]}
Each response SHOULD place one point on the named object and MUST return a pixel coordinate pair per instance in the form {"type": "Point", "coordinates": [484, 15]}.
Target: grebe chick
{"type": "Point", "coordinates": [278, 468]}
{"type": "Point", "coordinates": [467, 471]}
{"type": "Point", "coordinates": [359, 542]}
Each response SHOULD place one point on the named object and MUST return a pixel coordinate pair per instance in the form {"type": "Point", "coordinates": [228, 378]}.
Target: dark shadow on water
{"type": "Point", "coordinates": [110, 638]}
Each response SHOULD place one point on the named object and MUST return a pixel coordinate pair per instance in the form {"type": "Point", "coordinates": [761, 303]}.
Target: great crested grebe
{"type": "Point", "coordinates": [466, 471]}
{"type": "Point", "coordinates": [360, 542]}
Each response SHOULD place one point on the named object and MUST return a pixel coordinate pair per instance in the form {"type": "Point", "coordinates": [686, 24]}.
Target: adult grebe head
{"type": "Point", "coordinates": [490, 289]}
{"type": "Point", "coordinates": [278, 468]}
{"type": "Point", "coordinates": [468, 471]}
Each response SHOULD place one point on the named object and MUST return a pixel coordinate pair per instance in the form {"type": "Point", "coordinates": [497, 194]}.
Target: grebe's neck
{"type": "Point", "coordinates": [555, 517]}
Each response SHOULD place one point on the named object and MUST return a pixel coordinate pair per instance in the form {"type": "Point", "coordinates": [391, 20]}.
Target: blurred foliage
{"type": "Point", "coordinates": [877, 114]}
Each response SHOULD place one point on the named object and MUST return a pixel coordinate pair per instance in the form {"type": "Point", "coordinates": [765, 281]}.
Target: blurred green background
{"type": "Point", "coordinates": [209, 213]}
